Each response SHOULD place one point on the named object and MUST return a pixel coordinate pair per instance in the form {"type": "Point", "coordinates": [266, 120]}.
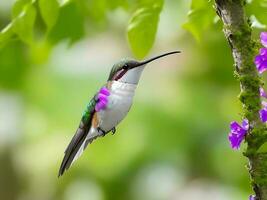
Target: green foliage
{"type": "Point", "coordinates": [70, 24]}
{"type": "Point", "coordinates": [24, 14]}
{"type": "Point", "coordinates": [18, 7]}
{"type": "Point", "coordinates": [49, 10]}
{"type": "Point", "coordinates": [200, 17]}
{"type": "Point", "coordinates": [98, 9]}
{"type": "Point", "coordinates": [62, 21]}
{"type": "Point", "coordinates": [68, 20]}
{"type": "Point", "coordinates": [143, 27]}
{"type": "Point", "coordinates": [23, 19]}
{"type": "Point", "coordinates": [12, 66]}
{"type": "Point", "coordinates": [118, 3]}
{"type": "Point", "coordinates": [258, 8]}
{"type": "Point", "coordinates": [6, 34]}
{"type": "Point", "coordinates": [24, 22]}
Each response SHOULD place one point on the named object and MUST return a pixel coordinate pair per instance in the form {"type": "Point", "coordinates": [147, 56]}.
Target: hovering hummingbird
{"type": "Point", "coordinates": [107, 108]}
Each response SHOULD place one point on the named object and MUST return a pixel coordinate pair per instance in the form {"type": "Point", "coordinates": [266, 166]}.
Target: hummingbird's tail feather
{"type": "Point", "coordinates": [78, 144]}
{"type": "Point", "coordinates": [79, 140]}
{"type": "Point", "coordinates": [93, 134]}
{"type": "Point", "coordinates": [74, 147]}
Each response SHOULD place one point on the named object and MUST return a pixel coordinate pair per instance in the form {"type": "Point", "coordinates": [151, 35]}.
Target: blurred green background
{"type": "Point", "coordinates": [173, 144]}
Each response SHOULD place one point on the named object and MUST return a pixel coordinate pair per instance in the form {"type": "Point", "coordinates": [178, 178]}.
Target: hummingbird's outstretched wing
{"type": "Point", "coordinates": [80, 139]}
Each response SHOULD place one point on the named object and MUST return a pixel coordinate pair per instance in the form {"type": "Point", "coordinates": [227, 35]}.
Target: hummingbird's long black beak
{"type": "Point", "coordinates": [155, 58]}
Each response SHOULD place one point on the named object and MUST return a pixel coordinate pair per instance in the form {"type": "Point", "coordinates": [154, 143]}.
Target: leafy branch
{"type": "Point", "coordinates": [67, 21]}
{"type": "Point", "coordinates": [23, 19]}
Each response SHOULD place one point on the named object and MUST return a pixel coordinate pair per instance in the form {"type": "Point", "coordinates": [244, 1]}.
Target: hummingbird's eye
{"type": "Point", "coordinates": [125, 66]}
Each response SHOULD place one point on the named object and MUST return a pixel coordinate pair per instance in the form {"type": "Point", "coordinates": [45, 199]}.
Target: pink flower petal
{"type": "Point", "coordinates": [263, 38]}
{"type": "Point", "coordinates": [263, 93]}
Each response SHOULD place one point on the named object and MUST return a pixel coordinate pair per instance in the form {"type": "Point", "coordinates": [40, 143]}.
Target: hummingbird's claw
{"type": "Point", "coordinates": [103, 133]}
{"type": "Point", "coordinates": [113, 130]}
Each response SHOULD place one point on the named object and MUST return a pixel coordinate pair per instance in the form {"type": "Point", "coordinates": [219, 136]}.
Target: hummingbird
{"type": "Point", "coordinates": [107, 108]}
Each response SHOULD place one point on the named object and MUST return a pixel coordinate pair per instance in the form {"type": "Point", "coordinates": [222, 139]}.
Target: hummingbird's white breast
{"type": "Point", "coordinates": [119, 103]}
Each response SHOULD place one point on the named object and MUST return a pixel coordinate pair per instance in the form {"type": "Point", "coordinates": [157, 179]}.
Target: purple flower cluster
{"type": "Point", "coordinates": [102, 99]}
{"type": "Point", "coordinates": [238, 132]}
{"type": "Point", "coordinates": [252, 197]}
{"type": "Point", "coordinates": [261, 59]}
{"type": "Point", "coordinates": [261, 64]}
{"type": "Point", "coordinates": [263, 114]}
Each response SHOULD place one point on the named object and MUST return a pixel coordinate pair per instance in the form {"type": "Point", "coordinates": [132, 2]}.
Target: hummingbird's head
{"type": "Point", "coordinates": [129, 70]}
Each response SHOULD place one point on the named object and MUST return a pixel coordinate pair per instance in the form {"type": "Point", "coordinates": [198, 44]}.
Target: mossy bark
{"type": "Point", "coordinates": [237, 31]}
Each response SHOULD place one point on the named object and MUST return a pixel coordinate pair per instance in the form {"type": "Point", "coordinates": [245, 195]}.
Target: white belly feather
{"type": "Point", "coordinates": [119, 103]}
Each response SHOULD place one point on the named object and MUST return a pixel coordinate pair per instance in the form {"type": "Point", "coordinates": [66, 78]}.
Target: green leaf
{"type": "Point", "coordinates": [18, 7]}
{"type": "Point", "coordinates": [70, 24]}
{"type": "Point", "coordinates": [49, 11]}
{"type": "Point", "coordinates": [143, 27]}
{"type": "Point", "coordinates": [6, 34]}
{"type": "Point", "coordinates": [195, 4]}
{"type": "Point", "coordinates": [114, 4]}
{"type": "Point", "coordinates": [263, 148]}
{"type": "Point", "coordinates": [200, 17]}
{"type": "Point", "coordinates": [24, 23]}
{"type": "Point", "coordinates": [258, 8]}
{"type": "Point", "coordinates": [97, 9]}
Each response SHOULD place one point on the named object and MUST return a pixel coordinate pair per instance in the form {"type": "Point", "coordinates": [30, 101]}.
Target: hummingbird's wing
{"type": "Point", "coordinates": [80, 139]}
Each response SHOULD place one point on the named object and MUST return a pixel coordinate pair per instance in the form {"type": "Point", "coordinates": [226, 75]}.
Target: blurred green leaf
{"type": "Point", "coordinates": [18, 7]}
{"type": "Point", "coordinates": [23, 18]}
{"type": "Point", "coordinates": [263, 148]}
{"type": "Point", "coordinates": [118, 3]}
{"type": "Point", "coordinates": [200, 17]}
{"type": "Point", "coordinates": [39, 52]}
{"type": "Point", "coordinates": [70, 24]}
{"type": "Point", "coordinates": [13, 66]}
{"type": "Point", "coordinates": [258, 8]}
{"type": "Point", "coordinates": [49, 11]}
{"type": "Point", "coordinates": [97, 9]}
{"type": "Point", "coordinates": [6, 34]}
{"type": "Point", "coordinates": [195, 4]}
{"type": "Point", "coordinates": [24, 23]}
{"type": "Point", "coordinates": [143, 27]}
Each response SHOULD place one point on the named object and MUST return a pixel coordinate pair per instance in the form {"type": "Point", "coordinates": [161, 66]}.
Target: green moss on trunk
{"type": "Point", "coordinates": [237, 31]}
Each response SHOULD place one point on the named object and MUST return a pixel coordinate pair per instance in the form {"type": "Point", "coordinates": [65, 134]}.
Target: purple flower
{"type": "Point", "coordinates": [263, 114]}
{"type": "Point", "coordinates": [261, 60]}
{"type": "Point", "coordinates": [263, 37]}
{"type": "Point", "coordinates": [263, 93]}
{"type": "Point", "coordinates": [252, 197]}
{"type": "Point", "coordinates": [263, 51]}
{"type": "Point", "coordinates": [102, 99]}
{"type": "Point", "coordinates": [238, 133]}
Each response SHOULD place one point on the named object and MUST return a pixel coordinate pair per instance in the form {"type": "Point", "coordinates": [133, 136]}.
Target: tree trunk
{"type": "Point", "coordinates": [237, 31]}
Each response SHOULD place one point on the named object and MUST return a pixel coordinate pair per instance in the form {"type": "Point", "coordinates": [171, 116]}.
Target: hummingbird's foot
{"type": "Point", "coordinates": [102, 132]}
{"type": "Point", "coordinates": [113, 130]}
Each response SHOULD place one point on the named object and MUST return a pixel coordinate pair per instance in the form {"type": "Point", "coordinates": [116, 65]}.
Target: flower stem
{"type": "Point", "coordinates": [238, 32]}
